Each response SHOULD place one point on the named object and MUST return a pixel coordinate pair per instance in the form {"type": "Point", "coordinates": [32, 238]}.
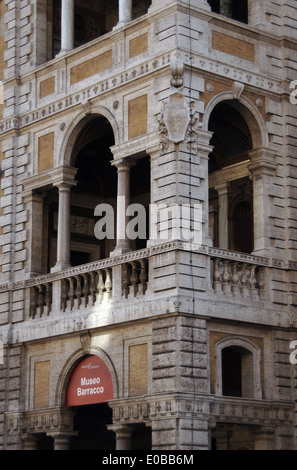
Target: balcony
{"type": "Point", "coordinates": [233, 276]}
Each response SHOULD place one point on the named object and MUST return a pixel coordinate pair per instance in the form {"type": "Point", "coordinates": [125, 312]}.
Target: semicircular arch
{"type": "Point", "coordinates": [248, 110]}
{"type": "Point", "coordinates": [78, 124]}
{"type": "Point", "coordinates": [71, 365]}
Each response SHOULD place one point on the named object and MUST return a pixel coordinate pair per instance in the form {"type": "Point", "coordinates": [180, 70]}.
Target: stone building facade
{"type": "Point", "coordinates": [180, 104]}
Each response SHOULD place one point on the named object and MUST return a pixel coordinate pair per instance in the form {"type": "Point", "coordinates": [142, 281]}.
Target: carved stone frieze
{"type": "Point", "coordinates": [40, 421]}
{"type": "Point", "coordinates": [202, 407]}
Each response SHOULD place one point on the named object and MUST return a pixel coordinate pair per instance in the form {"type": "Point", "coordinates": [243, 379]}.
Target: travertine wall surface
{"type": "Point", "coordinates": [177, 59]}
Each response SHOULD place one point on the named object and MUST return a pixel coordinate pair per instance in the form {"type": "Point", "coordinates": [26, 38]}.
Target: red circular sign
{"type": "Point", "coordinates": [90, 383]}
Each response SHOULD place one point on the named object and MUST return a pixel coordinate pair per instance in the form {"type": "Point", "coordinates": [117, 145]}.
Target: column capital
{"type": "Point", "coordinates": [61, 439]}
{"type": "Point", "coordinates": [124, 164]}
{"type": "Point", "coordinates": [262, 162]}
{"type": "Point", "coordinates": [222, 188]}
{"type": "Point", "coordinates": [65, 185]}
{"type": "Point", "coordinates": [65, 176]}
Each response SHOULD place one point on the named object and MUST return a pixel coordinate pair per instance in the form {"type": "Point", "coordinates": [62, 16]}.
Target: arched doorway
{"type": "Point", "coordinates": [88, 391]}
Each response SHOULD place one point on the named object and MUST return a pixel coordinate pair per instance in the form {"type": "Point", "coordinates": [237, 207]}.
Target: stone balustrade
{"type": "Point", "coordinates": [233, 277]}
{"type": "Point", "coordinates": [41, 300]}
{"type": "Point", "coordinates": [134, 278]}
{"type": "Point", "coordinates": [88, 285]}
{"type": "Point", "coordinates": [126, 277]}
{"type": "Point", "coordinates": [86, 289]}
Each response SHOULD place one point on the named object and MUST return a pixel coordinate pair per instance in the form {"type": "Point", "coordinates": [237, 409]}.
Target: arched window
{"type": "Point", "coordinates": [237, 372]}
{"type": "Point", "coordinates": [235, 9]}
{"type": "Point", "coordinates": [238, 368]}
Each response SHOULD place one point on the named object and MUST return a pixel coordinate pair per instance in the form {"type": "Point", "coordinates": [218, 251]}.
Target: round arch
{"type": "Point", "coordinates": [252, 348]}
{"type": "Point", "coordinates": [73, 362]}
{"type": "Point", "coordinates": [248, 111]}
{"type": "Point", "coordinates": [78, 124]}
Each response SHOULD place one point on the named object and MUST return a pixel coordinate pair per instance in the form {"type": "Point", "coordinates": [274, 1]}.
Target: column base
{"type": "Point", "coordinates": [120, 25]}
{"type": "Point", "coordinates": [63, 52]}
{"type": "Point", "coordinates": [119, 251]}
{"type": "Point", "coordinates": [60, 267]}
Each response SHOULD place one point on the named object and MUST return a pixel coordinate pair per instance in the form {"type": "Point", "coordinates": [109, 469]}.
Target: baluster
{"type": "Point", "coordinates": [125, 281]}
{"type": "Point", "coordinates": [101, 286]}
{"type": "Point", "coordinates": [226, 277]}
{"type": "Point", "coordinates": [86, 290]}
{"type": "Point", "coordinates": [48, 298]}
{"type": "Point", "coordinates": [134, 278]}
{"type": "Point", "coordinates": [143, 277]}
{"type": "Point", "coordinates": [71, 292]}
{"type": "Point", "coordinates": [261, 283]}
{"type": "Point", "coordinates": [216, 276]}
{"type": "Point", "coordinates": [253, 282]}
{"type": "Point", "coordinates": [93, 287]}
{"type": "Point", "coordinates": [40, 300]}
{"type": "Point", "coordinates": [235, 279]}
{"type": "Point", "coordinates": [78, 290]}
{"type": "Point", "coordinates": [108, 283]}
{"type": "Point", "coordinates": [64, 294]}
{"type": "Point", "coordinates": [33, 302]}
{"type": "Point", "coordinates": [244, 280]}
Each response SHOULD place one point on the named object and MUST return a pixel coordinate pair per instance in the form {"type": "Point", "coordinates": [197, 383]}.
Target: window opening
{"type": "Point", "coordinates": [235, 9]}
{"type": "Point", "coordinates": [237, 372]}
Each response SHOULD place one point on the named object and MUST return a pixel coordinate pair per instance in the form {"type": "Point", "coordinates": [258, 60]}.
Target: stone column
{"type": "Point", "coordinates": [29, 442]}
{"type": "Point", "coordinates": [67, 26]}
{"type": "Point", "coordinates": [123, 201]}
{"type": "Point", "coordinates": [34, 202]}
{"type": "Point", "coordinates": [63, 241]}
{"type": "Point", "coordinates": [262, 167]}
{"type": "Point", "coordinates": [222, 191]}
{"type": "Point", "coordinates": [125, 12]}
{"type": "Point", "coordinates": [123, 436]}
{"type": "Point", "coordinates": [62, 440]}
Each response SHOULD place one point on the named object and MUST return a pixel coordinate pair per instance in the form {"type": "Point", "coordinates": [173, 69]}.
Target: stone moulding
{"type": "Point", "coordinates": [178, 405]}
{"type": "Point", "coordinates": [37, 421]}
{"type": "Point", "coordinates": [77, 98]}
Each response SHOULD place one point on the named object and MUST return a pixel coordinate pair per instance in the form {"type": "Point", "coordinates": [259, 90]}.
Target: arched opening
{"type": "Point", "coordinates": [230, 185]}
{"type": "Point", "coordinates": [235, 9]}
{"type": "Point", "coordinates": [92, 19]}
{"type": "Point", "coordinates": [89, 389]}
{"type": "Point", "coordinates": [231, 139]}
{"type": "Point", "coordinates": [237, 372]}
{"type": "Point", "coordinates": [96, 183]}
